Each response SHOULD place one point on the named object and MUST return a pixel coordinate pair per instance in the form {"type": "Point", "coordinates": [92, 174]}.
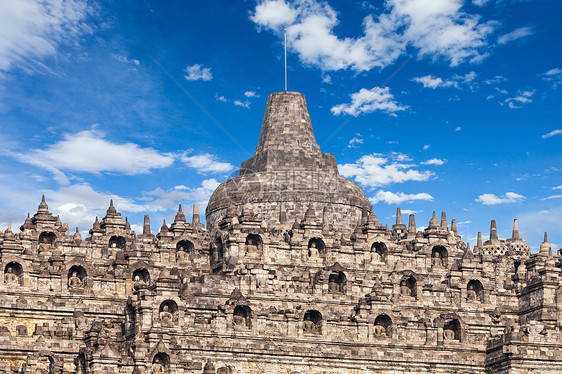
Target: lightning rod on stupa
{"type": "Point", "coordinates": [285, 30]}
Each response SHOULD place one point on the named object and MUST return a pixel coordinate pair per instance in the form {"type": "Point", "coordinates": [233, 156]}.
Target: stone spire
{"type": "Point", "coordinates": [515, 232]}
{"type": "Point", "coordinates": [43, 207]}
{"type": "Point", "coordinates": [433, 222]}
{"type": "Point", "coordinates": [454, 226]}
{"type": "Point", "coordinates": [146, 225]}
{"type": "Point", "coordinates": [399, 227]}
{"type": "Point", "coordinates": [372, 218]}
{"type": "Point", "coordinates": [180, 217]}
{"type": "Point", "coordinates": [398, 216]}
{"type": "Point", "coordinates": [164, 228]}
{"type": "Point", "coordinates": [493, 231]}
{"type": "Point", "coordinates": [77, 236]}
{"type": "Point", "coordinates": [195, 219]}
{"type": "Point", "coordinates": [444, 221]}
{"type": "Point", "coordinates": [111, 211]}
{"type": "Point", "coordinates": [287, 140]}
{"type": "Point", "coordinates": [546, 248]}
{"type": "Point", "coordinates": [412, 224]}
{"type": "Point", "coordinates": [479, 240]}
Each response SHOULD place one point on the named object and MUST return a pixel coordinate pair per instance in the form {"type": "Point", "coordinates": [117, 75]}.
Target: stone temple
{"type": "Point", "coordinates": [293, 274]}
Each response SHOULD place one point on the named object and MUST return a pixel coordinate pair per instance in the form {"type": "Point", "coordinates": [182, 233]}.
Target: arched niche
{"type": "Point", "coordinates": [253, 244]}
{"type": "Point", "coordinates": [46, 241]}
{"type": "Point", "coordinates": [13, 273]}
{"type": "Point", "coordinates": [383, 326]}
{"type": "Point", "coordinates": [168, 311]}
{"type": "Point", "coordinates": [379, 251]}
{"type": "Point", "coordinates": [475, 291]}
{"type": "Point", "coordinates": [242, 316]}
{"type": "Point", "coordinates": [117, 242]}
{"type": "Point", "coordinates": [439, 256]}
{"type": "Point", "coordinates": [315, 247]}
{"type": "Point", "coordinates": [184, 248]}
{"type": "Point", "coordinates": [452, 330]}
{"type": "Point", "coordinates": [313, 322]}
{"type": "Point", "coordinates": [408, 286]}
{"type": "Point", "coordinates": [141, 278]}
{"type": "Point", "coordinates": [77, 277]}
{"type": "Point", "coordinates": [160, 363]}
{"type": "Point", "coordinates": [337, 282]}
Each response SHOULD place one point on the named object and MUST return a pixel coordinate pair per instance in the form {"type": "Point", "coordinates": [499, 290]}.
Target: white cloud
{"type": "Point", "coordinates": [243, 104]}
{"type": "Point", "coordinates": [429, 81]}
{"type": "Point", "coordinates": [436, 29]}
{"type": "Point", "coordinates": [391, 198]}
{"type": "Point", "coordinates": [496, 79]}
{"type": "Point", "coordinates": [480, 3]}
{"type": "Point", "coordinates": [178, 194]}
{"type": "Point", "coordinates": [458, 128]}
{"type": "Point", "coordinates": [274, 14]}
{"type": "Point", "coordinates": [354, 142]}
{"type": "Point", "coordinates": [552, 197]}
{"type": "Point", "coordinates": [409, 211]}
{"type": "Point", "coordinates": [79, 204]}
{"type": "Point", "coordinates": [552, 133]}
{"type": "Point", "coordinates": [519, 33]}
{"type": "Point", "coordinates": [377, 170]}
{"type": "Point", "coordinates": [198, 72]}
{"type": "Point", "coordinates": [434, 161]}
{"type": "Point", "coordinates": [367, 101]}
{"type": "Point", "coordinates": [31, 29]}
{"type": "Point", "coordinates": [251, 94]}
{"type": "Point", "coordinates": [126, 60]}
{"type": "Point", "coordinates": [554, 76]}
{"type": "Point", "coordinates": [206, 163]}
{"type": "Point", "coordinates": [220, 98]}
{"type": "Point", "coordinates": [426, 147]}
{"type": "Point", "coordinates": [557, 188]}
{"type": "Point", "coordinates": [491, 199]}
{"type": "Point", "coordinates": [88, 151]}
{"type": "Point", "coordinates": [523, 97]}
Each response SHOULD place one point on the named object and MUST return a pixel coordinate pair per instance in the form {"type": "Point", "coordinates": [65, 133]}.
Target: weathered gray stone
{"type": "Point", "coordinates": [286, 279]}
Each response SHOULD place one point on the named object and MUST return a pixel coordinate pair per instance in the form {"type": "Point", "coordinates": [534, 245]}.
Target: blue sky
{"type": "Point", "coordinates": [428, 104]}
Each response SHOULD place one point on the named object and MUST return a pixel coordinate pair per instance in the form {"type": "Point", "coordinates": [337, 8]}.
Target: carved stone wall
{"type": "Point", "coordinates": [300, 295]}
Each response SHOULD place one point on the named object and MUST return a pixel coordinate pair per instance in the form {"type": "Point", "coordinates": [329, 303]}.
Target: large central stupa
{"type": "Point", "coordinates": [289, 174]}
